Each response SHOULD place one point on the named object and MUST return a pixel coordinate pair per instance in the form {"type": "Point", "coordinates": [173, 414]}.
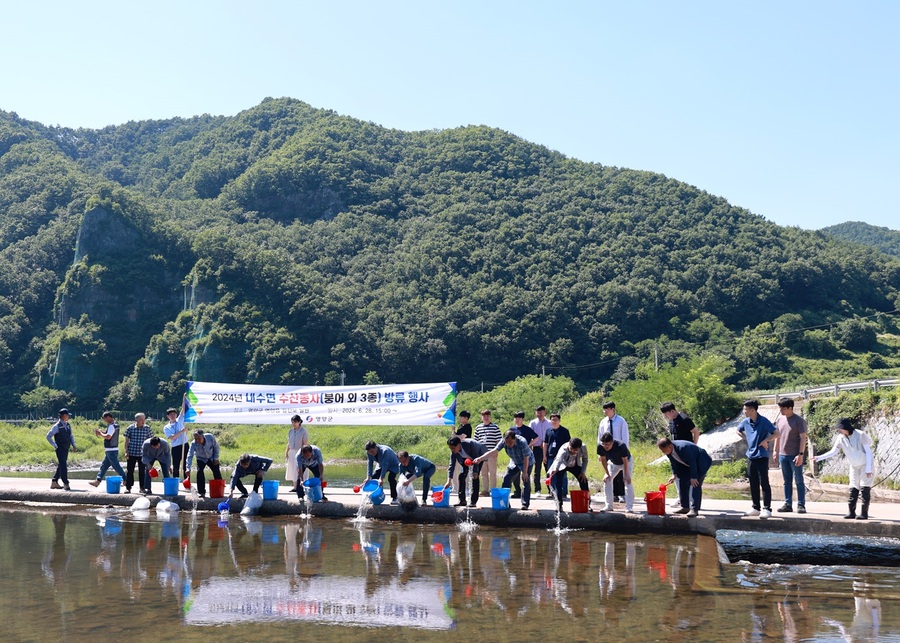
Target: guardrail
{"type": "Point", "coordinates": [831, 389]}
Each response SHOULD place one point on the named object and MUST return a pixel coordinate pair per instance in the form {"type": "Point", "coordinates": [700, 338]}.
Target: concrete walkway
{"type": "Point", "coordinates": [822, 517]}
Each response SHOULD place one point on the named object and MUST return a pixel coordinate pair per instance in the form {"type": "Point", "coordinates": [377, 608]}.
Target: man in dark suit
{"type": "Point", "coordinates": [689, 466]}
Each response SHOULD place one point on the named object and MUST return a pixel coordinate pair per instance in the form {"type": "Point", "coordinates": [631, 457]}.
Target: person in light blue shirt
{"type": "Point", "coordinates": [387, 461]}
{"type": "Point", "coordinates": [521, 459]}
{"type": "Point", "coordinates": [177, 434]}
{"type": "Point", "coordinates": [758, 431]}
{"type": "Point", "coordinates": [415, 466]}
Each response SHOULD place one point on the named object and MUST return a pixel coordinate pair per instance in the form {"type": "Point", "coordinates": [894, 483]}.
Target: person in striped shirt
{"type": "Point", "coordinates": [488, 434]}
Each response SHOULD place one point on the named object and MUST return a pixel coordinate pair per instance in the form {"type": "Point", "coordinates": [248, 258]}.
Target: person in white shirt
{"type": "Point", "coordinates": [618, 427]}
{"type": "Point", "coordinates": [540, 425]}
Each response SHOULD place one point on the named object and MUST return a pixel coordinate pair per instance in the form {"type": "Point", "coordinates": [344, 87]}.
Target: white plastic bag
{"type": "Point", "coordinates": [406, 494]}
{"type": "Point", "coordinates": [252, 504]}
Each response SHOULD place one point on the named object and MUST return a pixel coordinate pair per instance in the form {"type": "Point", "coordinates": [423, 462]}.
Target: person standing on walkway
{"type": "Point", "coordinates": [617, 426]}
{"type": "Point", "coordinates": [758, 431]}
{"type": "Point", "coordinates": [136, 434]}
{"type": "Point", "coordinates": [415, 466]}
{"type": "Point", "coordinates": [488, 434]}
{"type": "Point", "coordinates": [689, 465]}
{"type": "Point", "coordinates": [110, 437]}
{"type": "Point", "coordinates": [177, 434]}
{"type": "Point", "coordinates": [521, 459]}
{"type": "Point", "coordinates": [460, 451]}
{"type": "Point", "coordinates": [616, 459]}
{"type": "Point", "coordinates": [61, 439]}
{"type": "Point", "coordinates": [540, 425]}
{"type": "Point", "coordinates": [387, 462]}
{"type": "Point", "coordinates": [857, 448]}
{"type": "Point", "coordinates": [681, 427]}
{"type": "Point", "coordinates": [555, 437]}
{"type": "Point", "coordinates": [155, 450]}
{"type": "Point", "coordinates": [571, 458]}
{"type": "Point", "coordinates": [309, 456]}
{"type": "Point", "coordinates": [249, 465]}
{"type": "Point", "coordinates": [297, 438]}
{"type": "Point", "coordinates": [206, 448]}
{"type": "Point", "coordinates": [530, 436]}
{"type": "Point", "coordinates": [790, 447]}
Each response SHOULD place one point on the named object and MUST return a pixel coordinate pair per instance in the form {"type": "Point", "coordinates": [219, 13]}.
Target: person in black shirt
{"type": "Point", "coordinates": [464, 430]}
{"type": "Point", "coordinates": [681, 426]}
{"type": "Point", "coordinates": [615, 458]}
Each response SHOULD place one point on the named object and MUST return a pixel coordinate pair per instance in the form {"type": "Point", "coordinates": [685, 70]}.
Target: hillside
{"type": "Point", "coordinates": [884, 239]}
{"type": "Point", "coordinates": [288, 244]}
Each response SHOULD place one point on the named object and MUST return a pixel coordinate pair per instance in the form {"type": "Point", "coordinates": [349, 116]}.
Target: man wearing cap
{"type": "Point", "coordinates": [136, 434]}
{"type": "Point", "coordinates": [152, 451]}
{"type": "Point", "coordinates": [61, 439]}
{"type": "Point", "coordinates": [110, 437]}
{"type": "Point", "coordinates": [206, 448]}
{"type": "Point", "coordinates": [248, 465]}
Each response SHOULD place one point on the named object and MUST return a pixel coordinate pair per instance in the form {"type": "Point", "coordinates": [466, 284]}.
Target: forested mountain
{"type": "Point", "coordinates": [884, 239]}
{"type": "Point", "coordinates": [288, 244]}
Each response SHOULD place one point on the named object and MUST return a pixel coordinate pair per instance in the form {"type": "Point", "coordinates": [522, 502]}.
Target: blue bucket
{"type": "Point", "coordinates": [445, 499]}
{"type": "Point", "coordinates": [113, 484]}
{"type": "Point", "coordinates": [170, 486]}
{"type": "Point", "coordinates": [270, 489]}
{"type": "Point", "coordinates": [376, 493]}
{"type": "Point", "coordinates": [500, 498]}
{"type": "Point", "coordinates": [313, 489]}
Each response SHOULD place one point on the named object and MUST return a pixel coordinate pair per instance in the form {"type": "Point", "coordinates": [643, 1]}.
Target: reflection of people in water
{"type": "Point", "coordinates": [866, 617]}
{"type": "Point", "coordinates": [56, 562]}
{"type": "Point", "coordinates": [796, 620]}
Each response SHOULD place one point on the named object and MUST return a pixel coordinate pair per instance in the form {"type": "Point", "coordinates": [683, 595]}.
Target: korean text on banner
{"type": "Point", "coordinates": [383, 404]}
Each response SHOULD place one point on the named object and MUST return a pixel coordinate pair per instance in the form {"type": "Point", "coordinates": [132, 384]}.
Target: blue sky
{"type": "Point", "coordinates": [788, 109]}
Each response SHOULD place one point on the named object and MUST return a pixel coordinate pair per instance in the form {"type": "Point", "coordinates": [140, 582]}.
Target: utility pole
{"type": "Point", "coordinates": [342, 377]}
{"type": "Point", "coordinates": [656, 356]}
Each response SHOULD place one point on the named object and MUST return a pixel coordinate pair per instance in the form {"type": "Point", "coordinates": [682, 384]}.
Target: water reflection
{"type": "Point", "coordinates": [116, 575]}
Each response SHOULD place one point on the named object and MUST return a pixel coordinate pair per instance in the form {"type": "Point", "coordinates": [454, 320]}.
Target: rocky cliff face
{"type": "Point", "coordinates": [121, 286]}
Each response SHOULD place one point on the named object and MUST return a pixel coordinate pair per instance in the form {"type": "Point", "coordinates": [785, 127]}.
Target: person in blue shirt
{"type": "Point", "coordinates": [415, 466]}
{"type": "Point", "coordinates": [309, 456]}
{"type": "Point", "coordinates": [249, 465]}
{"type": "Point", "coordinates": [758, 431]}
{"type": "Point", "coordinates": [387, 461]}
{"type": "Point", "coordinates": [521, 459]}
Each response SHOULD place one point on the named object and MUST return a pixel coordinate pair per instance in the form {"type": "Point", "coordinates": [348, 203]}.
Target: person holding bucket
{"type": "Point", "coordinates": [206, 448]}
{"type": "Point", "coordinates": [463, 453]}
{"type": "Point", "coordinates": [386, 459]}
{"type": "Point", "coordinates": [155, 450]}
{"type": "Point", "coordinates": [249, 465]}
{"type": "Point", "coordinates": [309, 456]}
{"type": "Point", "coordinates": [571, 458]}
{"type": "Point", "coordinates": [110, 437]}
{"type": "Point", "coordinates": [689, 465]}
{"type": "Point", "coordinates": [415, 466]}
{"type": "Point", "coordinates": [615, 458]}
{"type": "Point", "coordinates": [521, 459]}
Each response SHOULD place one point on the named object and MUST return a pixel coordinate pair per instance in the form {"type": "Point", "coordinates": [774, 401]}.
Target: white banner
{"type": "Point", "coordinates": [378, 405]}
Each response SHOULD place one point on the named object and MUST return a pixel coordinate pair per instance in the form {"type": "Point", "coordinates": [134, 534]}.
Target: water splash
{"type": "Point", "coordinates": [361, 512]}
{"type": "Point", "coordinates": [195, 499]}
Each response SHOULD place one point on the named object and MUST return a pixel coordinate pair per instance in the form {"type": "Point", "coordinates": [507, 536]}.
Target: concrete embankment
{"type": "Point", "coordinates": [823, 518]}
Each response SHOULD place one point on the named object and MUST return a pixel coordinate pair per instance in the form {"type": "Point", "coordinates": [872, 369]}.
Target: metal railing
{"type": "Point", "coordinates": [831, 389]}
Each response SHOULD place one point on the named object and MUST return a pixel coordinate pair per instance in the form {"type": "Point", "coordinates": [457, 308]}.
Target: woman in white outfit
{"type": "Point", "coordinates": [298, 437]}
{"type": "Point", "coordinates": [857, 448]}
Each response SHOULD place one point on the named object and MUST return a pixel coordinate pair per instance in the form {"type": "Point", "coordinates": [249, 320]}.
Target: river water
{"type": "Point", "coordinates": [73, 575]}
